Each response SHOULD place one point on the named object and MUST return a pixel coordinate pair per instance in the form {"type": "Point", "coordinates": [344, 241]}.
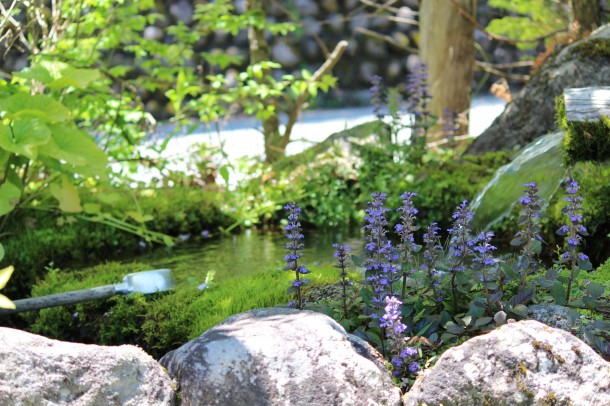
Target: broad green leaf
{"type": "Point", "coordinates": [38, 105]}
{"type": "Point", "coordinates": [224, 173]}
{"type": "Point", "coordinates": [35, 72]}
{"type": "Point", "coordinates": [5, 303]}
{"type": "Point", "coordinates": [92, 208]}
{"type": "Point", "coordinates": [109, 198]}
{"type": "Point", "coordinates": [67, 195]}
{"type": "Point", "coordinates": [1, 252]}
{"type": "Point", "coordinates": [595, 290]}
{"type": "Point", "coordinates": [59, 75]}
{"type": "Point", "coordinates": [80, 78]}
{"type": "Point", "coordinates": [139, 217]}
{"type": "Point", "coordinates": [584, 265]}
{"type": "Point", "coordinates": [5, 275]}
{"type": "Point", "coordinates": [535, 245]}
{"type": "Point", "coordinates": [75, 147]}
{"type": "Point", "coordinates": [483, 321]}
{"type": "Point", "coordinates": [559, 293]}
{"type": "Point", "coordinates": [520, 310]}
{"type": "Point", "coordinates": [9, 197]}
{"type": "Point", "coordinates": [24, 136]}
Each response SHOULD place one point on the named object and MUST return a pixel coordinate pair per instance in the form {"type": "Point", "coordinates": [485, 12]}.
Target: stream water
{"type": "Point", "coordinates": [244, 254]}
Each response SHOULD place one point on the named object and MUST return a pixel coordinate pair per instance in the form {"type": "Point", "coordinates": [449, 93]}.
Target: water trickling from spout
{"type": "Point", "coordinates": [540, 162]}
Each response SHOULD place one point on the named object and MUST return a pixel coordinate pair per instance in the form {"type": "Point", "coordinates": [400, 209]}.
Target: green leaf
{"type": "Point", "coordinates": [559, 293]}
{"type": "Point", "coordinates": [59, 75]}
{"type": "Point", "coordinates": [520, 310]}
{"type": "Point", "coordinates": [453, 328]}
{"type": "Point", "coordinates": [595, 290]}
{"type": "Point", "coordinates": [5, 275]}
{"type": "Point", "coordinates": [67, 195]}
{"type": "Point", "coordinates": [24, 136]}
{"type": "Point", "coordinates": [109, 198]}
{"type": "Point", "coordinates": [139, 217]}
{"type": "Point", "coordinates": [9, 197]}
{"type": "Point", "coordinates": [483, 321]}
{"type": "Point", "coordinates": [76, 148]}
{"type": "Point", "coordinates": [38, 105]}
{"type": "Point", "coordinates": [1, 252]}
{"type": "Point", "coordinates": [535, 245]}
{"type": "Point", "coordinates": [224, 172]}
{"type": "Point", "coordinates": [517, 241]}
{"type": "Point", "coordinates": [358, 261]}
{"type": "Point", "coordinates": [5, 303]}
{"type": "Point", "coordinates": [92, 208]}
{"type": "Point", "coordinates": [584, 265]}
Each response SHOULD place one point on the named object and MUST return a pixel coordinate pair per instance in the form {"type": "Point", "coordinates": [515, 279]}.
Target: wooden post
{"type": "Point", "coordinates": [448, 51]}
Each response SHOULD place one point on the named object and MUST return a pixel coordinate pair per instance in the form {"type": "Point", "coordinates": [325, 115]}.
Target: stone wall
{"type": "Point", "coordinates": [331, 21]}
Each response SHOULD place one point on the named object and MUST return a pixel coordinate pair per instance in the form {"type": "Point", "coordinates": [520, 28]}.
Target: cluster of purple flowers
{"type": "Point", "coordinates": [294, 246]}
{"type": "Point", "coordinates": [528, 236]}
{"type": "Point", "coordinates": [378, 96]}
{"type": "Point", "coordinates": [402, 355]}
{"type": "Point", "coordinates": [405, 230]}
{"type": "Point", "coordinates": [418, 93]}
{"type": "Point", "coordinates": [381, 255]}
{"type": "Point", "coordinates": [460, 247]}
{"type": "Point", "coordinates": [485, 261]}
{"type": "Point", "coordinates": [573, 232]}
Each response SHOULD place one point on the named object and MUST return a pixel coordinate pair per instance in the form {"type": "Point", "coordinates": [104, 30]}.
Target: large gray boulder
{"type": "Point", "coordinates": [524, 363]}
{"type": "Point", "coordinates": [280, 356]}
{"type": "Point", "coordinates": [35, 371]}
{"type": "Point", "coordinates": [531, 113]}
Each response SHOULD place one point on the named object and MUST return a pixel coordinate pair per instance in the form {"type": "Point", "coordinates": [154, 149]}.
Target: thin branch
{"type": "Point", "coordinates": [387, 6]}
{"type": "Point", "coordinates": [486, 67]}
{"type": "Point", "coordinates": [315, 36]}
{"type": "Point", "coordinates": [387, 39]}
{"type": "Point", "coordinates": [518, 64]}
{"type": "Point", "coordinates": [326, 67]}
{"type": "Point", "coordinates": [501, 38]}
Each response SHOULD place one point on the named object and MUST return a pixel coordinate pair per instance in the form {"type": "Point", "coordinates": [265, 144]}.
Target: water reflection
{"type": "Point", "coordinates": [244, 254]}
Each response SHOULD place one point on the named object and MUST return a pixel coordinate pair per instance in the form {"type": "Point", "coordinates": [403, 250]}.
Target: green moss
{"type": "Point", "coordinates": [549, 350]}
{"type": "Point", "coordinates": [592, 48]}
{"type": "Point", "coordinates": [583, 141]}
{"type": "Point", "coordinates": [158, 323]}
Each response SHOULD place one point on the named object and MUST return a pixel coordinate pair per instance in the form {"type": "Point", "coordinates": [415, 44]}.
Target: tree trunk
{"type": "Point", "coordinates": [259, 52]}
{"type": "Point", "coordinates": [586, 15]}
{"type": "Point", "coordinates": [447, 49]}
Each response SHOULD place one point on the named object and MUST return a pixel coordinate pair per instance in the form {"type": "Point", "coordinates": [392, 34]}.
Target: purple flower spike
{"type": "Point", "coordinates": [294, 247]}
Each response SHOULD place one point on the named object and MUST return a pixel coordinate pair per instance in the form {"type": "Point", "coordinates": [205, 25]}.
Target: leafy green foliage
{"type": "Point", "coordinates": [534, 19]}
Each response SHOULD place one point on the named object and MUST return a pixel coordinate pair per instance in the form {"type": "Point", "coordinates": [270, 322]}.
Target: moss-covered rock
{"type": "Point", "coordinates": [584, 140]}
{"type": "Point", "coordinates": [532, 111]}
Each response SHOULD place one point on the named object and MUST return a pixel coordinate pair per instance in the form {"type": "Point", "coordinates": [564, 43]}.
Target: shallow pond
{"type": "Point", "coordinates": [244, 254]}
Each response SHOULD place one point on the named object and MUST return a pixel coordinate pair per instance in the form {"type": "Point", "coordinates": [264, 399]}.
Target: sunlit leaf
{"type": "Point", "coordinates": [9, 197]}
{"type": "Point", "coordinates": [67, 195]}
{"type": "Point", "coordinates": [5, 275]}
{"type": "Point", "coordinates": [38, 105]}
{"type": "Point", "coordinates": [139, 217]}
{"type": "Point", "coordinates": [24, 136]}
{"type": "Point", "coordinates": [5, 303]}
{"type": "Point", "coordinates": [76, 148]}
